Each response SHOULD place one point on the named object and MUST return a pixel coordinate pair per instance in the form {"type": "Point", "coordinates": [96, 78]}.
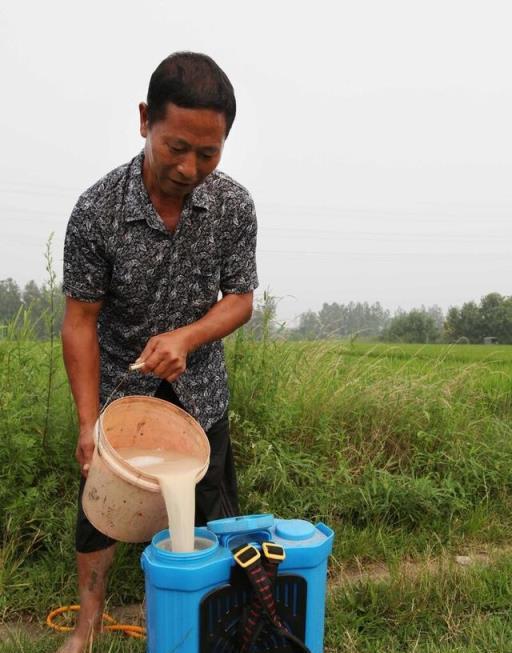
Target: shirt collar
{"type": "Point", "coordinates": [137, 201]}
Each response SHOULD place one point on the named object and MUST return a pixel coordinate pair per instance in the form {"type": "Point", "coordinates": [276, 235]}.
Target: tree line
{"type": "Point", "coordinates": [42, 306]}
{"type": "Point", "coordinates": [36, 308]}
{"type": "Point", "coordinates": [473, 323]}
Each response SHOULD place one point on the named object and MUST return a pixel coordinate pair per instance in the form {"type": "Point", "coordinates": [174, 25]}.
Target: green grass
{"type": "Point", "coordinates": [371, 440]}
{"type": "Point", "coordinates": [462, 353]}
{"type": "Point", "coordinates": [21, 642]}
{"type": "Point", "coordinates": [406, 451]}
{"type": "Point", "coordinates": [449, 609]}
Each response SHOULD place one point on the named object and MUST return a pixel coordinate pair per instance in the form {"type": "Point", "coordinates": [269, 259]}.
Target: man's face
{"type": "Point", "coordinates": [182, 148]}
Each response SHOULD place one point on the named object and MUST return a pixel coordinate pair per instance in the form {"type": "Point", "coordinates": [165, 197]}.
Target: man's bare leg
{"type": "Point", "coordinates": [93, 571]}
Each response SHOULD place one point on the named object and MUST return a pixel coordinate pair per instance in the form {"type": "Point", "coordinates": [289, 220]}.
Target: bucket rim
{"type": "Point", "coordinates": [155, 400]}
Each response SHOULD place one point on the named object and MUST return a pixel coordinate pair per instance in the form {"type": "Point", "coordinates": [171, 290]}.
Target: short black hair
{"type": "Point", "coordinates": [191, 80]}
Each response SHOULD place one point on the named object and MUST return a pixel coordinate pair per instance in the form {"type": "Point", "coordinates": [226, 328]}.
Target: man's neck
{"type": "Point", "coordinates": [168, 208]}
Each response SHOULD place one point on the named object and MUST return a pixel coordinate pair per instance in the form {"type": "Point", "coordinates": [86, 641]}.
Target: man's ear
{"type": "Point", "coordinates": [143, 113]}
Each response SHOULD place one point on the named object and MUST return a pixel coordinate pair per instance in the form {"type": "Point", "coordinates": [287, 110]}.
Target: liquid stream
{"type": "Point", "coordinates": [177, 474]}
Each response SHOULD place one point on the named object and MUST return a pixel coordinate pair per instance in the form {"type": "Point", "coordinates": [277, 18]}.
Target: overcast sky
{"type": "Point", "coordinates": [375, 137]}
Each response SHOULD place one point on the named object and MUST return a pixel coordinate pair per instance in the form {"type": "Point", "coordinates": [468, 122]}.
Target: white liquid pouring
{"type": "Point", "coordinates": [177, 474]}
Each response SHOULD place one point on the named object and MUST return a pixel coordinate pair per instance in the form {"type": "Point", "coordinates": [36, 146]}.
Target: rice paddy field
{"type": "Point", "coordinates": [404, 450]}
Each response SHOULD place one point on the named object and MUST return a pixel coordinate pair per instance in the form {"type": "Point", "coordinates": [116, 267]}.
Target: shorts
{"type": "Point", "coordinates": [216, 493]}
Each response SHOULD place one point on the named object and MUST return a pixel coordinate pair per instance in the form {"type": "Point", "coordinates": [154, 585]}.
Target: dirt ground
{"type": "Point", "coordinates": [377, 571]}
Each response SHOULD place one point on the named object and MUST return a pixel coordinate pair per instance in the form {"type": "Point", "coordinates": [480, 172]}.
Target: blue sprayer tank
{"type": "Point", "coordinates": [194, 601]}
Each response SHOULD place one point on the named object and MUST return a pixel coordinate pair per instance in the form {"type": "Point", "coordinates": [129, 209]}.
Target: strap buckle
{"type": "Point", "coordinates": [273, 552]}
{"type": "Point", "coordinates": [246, 555]}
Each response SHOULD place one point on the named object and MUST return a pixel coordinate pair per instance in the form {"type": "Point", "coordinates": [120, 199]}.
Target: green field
{"type": "Point", "coordinates": [463, 353]}
{"type": "Point", "coordinates": [406, 451]}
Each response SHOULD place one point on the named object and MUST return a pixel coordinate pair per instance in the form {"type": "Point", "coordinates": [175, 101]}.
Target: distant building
{"type": "Point", "coordinates": [491, 340]}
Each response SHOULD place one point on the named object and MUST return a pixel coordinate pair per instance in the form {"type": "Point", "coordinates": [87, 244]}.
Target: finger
{"type": "Point", "coordinates": [159, 359]}
{"type": "Point", "coordinates": [147, 351]}
{"type": "Point", "coordinates": [172, 377]}
{"type": "Point", "coordinates": [167, 367]}
{"type": "Point", "coordinates": [152, 359]}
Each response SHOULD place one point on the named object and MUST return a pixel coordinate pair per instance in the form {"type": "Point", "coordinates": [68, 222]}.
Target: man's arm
{"type": "Point", "coordinates": [166, 354]}
{"type": "Point", "coordinates": [82, 360]}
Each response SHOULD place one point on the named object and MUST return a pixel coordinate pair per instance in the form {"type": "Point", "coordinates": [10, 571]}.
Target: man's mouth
{"type": "Point", "coordinates": [181, 183]}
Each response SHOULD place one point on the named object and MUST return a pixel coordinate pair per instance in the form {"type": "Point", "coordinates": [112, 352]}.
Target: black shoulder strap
{"type": "Point", "coordinates": [262, 576]}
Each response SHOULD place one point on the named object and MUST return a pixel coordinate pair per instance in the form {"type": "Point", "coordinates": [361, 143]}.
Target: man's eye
{"type": "Point", "coordinates": [206, 156]}
{"type": "Point", "coordinates": [177, 150]}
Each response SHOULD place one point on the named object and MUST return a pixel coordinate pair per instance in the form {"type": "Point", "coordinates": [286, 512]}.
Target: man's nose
{"type": "Point", "coordinates": [187, 167]}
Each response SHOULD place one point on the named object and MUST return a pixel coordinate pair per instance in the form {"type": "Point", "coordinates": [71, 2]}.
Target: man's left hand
{"type": "Point", "coordinates": [165, 355]}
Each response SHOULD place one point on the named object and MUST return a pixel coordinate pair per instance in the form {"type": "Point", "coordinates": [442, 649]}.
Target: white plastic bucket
{"type": "Point", "coordinates": [123, 501]}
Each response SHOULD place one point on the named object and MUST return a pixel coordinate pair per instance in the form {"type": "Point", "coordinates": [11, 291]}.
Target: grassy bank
{"type": "Point", "coordinates": [405, 451]}
{"type": "Point", "coordinates": [443, 610]}
{"type": "Point", "coordinates": [395, 452]}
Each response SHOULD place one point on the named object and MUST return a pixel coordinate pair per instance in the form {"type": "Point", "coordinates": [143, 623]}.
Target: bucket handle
{"type": "Point", "coordinates": [131, 368]}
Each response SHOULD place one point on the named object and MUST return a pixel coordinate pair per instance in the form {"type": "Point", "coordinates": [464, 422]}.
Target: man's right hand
{"type": "Point", "coordinates": [85, 448]}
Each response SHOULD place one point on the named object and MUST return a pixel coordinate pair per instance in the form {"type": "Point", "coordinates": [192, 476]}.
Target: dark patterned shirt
{"type": "Point", "coordinates": [118, 250]}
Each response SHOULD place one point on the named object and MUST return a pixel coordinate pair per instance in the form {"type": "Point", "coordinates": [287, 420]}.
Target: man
{"type": "Point", "coordinates": [148, 249]}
